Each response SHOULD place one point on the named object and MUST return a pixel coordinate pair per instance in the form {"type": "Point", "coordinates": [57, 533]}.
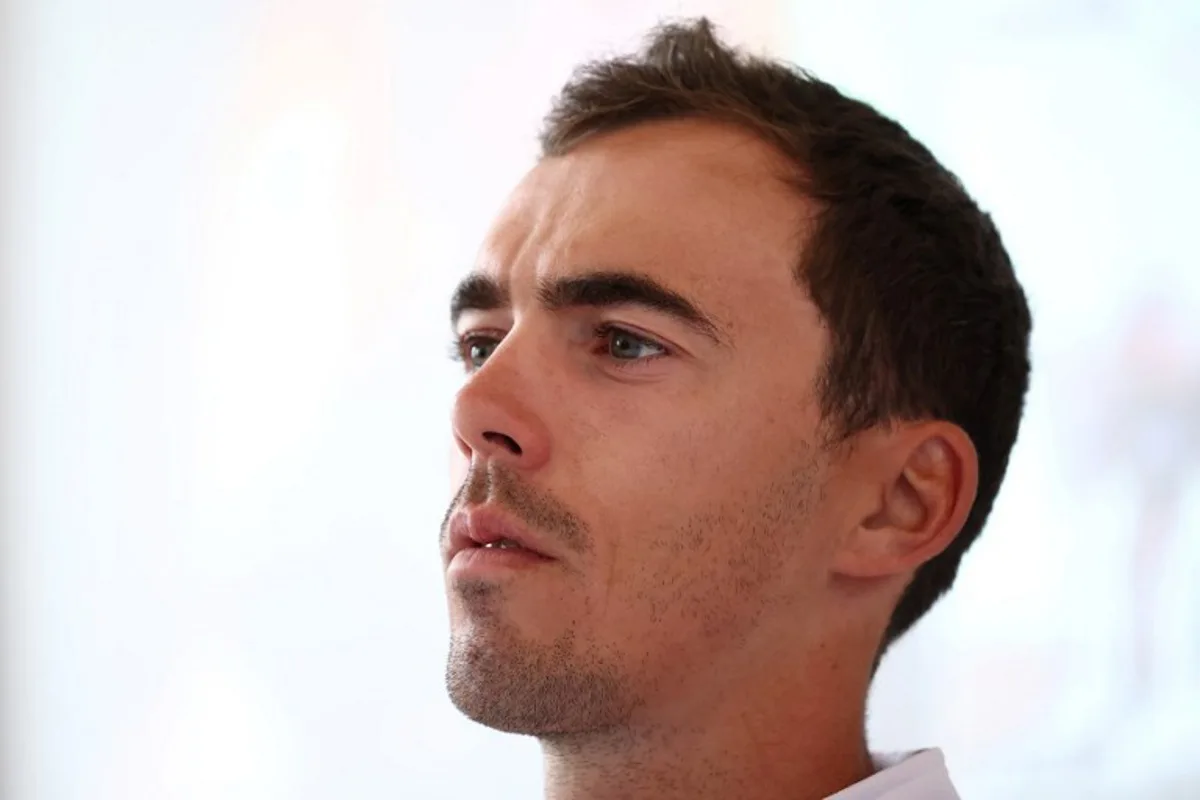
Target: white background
{"type": "Point", "coordinates": [229, 233]}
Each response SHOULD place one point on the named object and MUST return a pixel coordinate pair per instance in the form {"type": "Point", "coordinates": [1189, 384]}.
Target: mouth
{"type": "Point", "coordinates": [484, 541]}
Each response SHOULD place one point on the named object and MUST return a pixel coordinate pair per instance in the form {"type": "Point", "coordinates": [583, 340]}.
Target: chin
{"type": "Point", "coordinates": [541, 691]}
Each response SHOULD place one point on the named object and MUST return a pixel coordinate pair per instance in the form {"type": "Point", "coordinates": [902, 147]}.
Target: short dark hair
{"type": "Point", "coordinates": [926, 317]}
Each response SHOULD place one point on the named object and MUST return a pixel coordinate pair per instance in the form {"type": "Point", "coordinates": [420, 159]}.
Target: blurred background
{"type": "Point", "coordinates": [229, 230]}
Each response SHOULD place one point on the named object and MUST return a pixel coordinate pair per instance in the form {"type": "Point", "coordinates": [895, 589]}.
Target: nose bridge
{"type": "Point", "coordinates": [497, 414]}
{"type": "Point", "coordinates": [510, 369]}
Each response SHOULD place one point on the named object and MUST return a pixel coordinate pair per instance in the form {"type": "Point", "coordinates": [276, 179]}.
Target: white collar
{"type": "Point", "coordinates": [919, 775]}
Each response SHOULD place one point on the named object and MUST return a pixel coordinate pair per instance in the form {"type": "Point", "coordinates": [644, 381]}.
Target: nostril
{"type": "Point", "coordinates": [504, 441]}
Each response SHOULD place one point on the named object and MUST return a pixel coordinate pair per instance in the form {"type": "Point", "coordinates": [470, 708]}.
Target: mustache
{"type": "Point", "coordinates": [533, 508]}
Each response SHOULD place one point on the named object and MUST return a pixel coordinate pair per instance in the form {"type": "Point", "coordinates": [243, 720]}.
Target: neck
{"type": "Point", "coordinates": [762, 736]}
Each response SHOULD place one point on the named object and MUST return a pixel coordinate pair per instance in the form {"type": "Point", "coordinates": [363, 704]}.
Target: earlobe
{"type": "Point", "coordinates": [921, 494]}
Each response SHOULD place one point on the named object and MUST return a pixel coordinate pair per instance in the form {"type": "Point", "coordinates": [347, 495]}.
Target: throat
{"type": "Point", "coordinates": [703, 763]}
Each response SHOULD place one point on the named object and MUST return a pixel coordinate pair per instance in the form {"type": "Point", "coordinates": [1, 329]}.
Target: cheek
{"type": "Point", "coordinates": [683, 585]}
{"type": "Point", "coordinates": [667, 524]}
{"type": "Point", "coordinates": [668, 484]}
{"type": "Point", "coordinates": [702, 527]}
{"type": "Point", "coordinates": [665, 463]}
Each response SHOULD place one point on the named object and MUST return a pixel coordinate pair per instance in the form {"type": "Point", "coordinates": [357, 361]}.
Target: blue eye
{"type": "Point", "coordinates": [623, 345]}
{"type": "Point", "coordinates": [473, 350]}
{"type": "Point", "coordinates": [623, 348]}
{"type": "Point", "coordinates": [478, 352]}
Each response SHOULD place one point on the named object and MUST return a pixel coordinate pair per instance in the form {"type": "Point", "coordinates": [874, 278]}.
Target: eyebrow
{"type": "Point", "coordinates": [601, 289]}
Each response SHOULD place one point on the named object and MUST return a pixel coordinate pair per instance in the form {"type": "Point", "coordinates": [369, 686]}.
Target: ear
{"type": "Point", "coordinates": [918, 483]}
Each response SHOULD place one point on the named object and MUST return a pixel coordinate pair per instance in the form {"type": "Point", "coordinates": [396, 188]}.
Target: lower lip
{"type": "Point", "coordinates": [478, 562]}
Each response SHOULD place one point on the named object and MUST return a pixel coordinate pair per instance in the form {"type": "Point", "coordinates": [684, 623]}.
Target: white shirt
{"type": "Point", "coordinates": [920, 775]}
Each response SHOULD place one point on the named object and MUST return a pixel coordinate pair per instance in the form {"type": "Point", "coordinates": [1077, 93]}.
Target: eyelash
{"type": "Point", "coordinates": [460, 346]}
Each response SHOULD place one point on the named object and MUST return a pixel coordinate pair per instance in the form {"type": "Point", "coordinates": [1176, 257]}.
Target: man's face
{"type": "Point", "coordinates": [661, 449]}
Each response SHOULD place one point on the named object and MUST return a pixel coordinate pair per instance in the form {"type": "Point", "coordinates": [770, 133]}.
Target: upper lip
{"type": "Point", "coordinates": [477, 526]}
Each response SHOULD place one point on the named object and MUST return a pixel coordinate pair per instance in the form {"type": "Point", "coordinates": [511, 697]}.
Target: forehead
{"type": "Point", "coordinates": [702, 207]}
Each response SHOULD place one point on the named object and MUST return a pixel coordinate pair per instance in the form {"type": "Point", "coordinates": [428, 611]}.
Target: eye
{"type": "Point", "coordinates": [625, 346]}
{"type": "Point", "coordinates": [473, 349]}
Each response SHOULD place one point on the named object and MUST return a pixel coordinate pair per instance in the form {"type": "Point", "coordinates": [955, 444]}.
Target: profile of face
{"type": "Point", "coordinates": [639, 409]}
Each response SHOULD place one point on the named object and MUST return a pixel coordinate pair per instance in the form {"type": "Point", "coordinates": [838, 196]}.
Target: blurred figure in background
{"type": "Point", "coordinates": [1154, 422]}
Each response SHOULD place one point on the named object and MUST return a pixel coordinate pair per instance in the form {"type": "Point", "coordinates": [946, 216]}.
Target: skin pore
{"type": "Point", "coordinates": [640, 399]}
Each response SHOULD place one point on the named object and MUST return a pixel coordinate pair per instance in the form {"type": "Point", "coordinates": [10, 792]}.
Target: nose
{"type": "Point", "coordinates": [495, 417]}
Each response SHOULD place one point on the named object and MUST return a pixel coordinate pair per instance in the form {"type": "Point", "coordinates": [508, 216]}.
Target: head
{"type": "Point", "coordinates": [747, 363]}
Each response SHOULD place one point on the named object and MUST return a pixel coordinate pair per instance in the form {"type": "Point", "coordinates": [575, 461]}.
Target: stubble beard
{"type": "Point", "coordinates": [569, 689]}
{"type": "Point", "coordinates": [498, 680]}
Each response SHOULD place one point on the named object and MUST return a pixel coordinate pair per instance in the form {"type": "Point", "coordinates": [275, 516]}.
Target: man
{"type": "Point", "coordinates": [744, 368]}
